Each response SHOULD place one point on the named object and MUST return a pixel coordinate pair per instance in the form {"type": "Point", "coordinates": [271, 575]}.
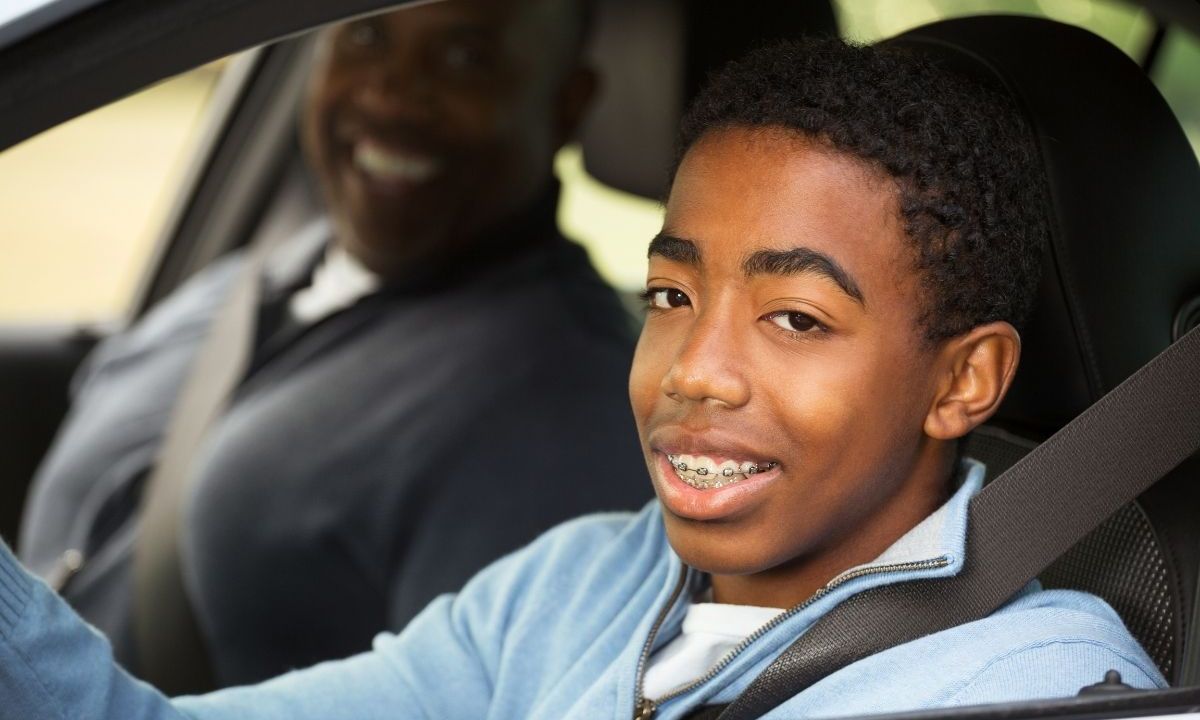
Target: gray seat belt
{"type": "Point", "coordinates": [1019, 524]}
{"type": "Point", "coordinates": [171, 651]}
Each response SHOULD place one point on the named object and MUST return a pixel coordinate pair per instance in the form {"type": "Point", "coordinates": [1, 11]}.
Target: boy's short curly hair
{"type": "Point", "coordinates": [971, 186]}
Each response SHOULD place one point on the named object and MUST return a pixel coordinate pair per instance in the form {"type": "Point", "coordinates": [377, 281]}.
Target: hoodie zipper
{"type": "Point", "coordinates": [644, 707]}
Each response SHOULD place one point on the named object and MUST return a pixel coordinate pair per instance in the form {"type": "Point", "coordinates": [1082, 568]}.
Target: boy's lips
{"type": "Point", "coordinates": [707, 477]}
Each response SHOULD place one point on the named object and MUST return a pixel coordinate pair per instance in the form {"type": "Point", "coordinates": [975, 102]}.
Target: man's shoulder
{"type": "Point", "coordinates": [561, 298]}
{"type": "Point", "coordinates": [181, 318]}
{"type": "Point", "coordinates": [178, 322]}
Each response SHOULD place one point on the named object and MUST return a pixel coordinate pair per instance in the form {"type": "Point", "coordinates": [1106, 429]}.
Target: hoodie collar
{"type": "Point", "coordinates": [934, 547]}
{"type": "Point", "coordinates": [943, 534]}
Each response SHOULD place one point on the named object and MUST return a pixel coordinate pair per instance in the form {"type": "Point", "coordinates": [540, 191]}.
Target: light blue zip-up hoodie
{"type": "Point", "coordinates": [561, 630]}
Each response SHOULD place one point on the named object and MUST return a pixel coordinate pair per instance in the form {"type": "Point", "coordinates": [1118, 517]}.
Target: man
{"type": "Point", "coordinates": [438, 375]}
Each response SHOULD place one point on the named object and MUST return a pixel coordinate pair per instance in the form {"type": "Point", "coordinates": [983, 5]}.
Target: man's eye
{"type": "Point", "coordinates": [360, 35]}
{"type": "Point", "coordinates": [665, 298]}
{"type": "Point", "coordinates": [795, 321]}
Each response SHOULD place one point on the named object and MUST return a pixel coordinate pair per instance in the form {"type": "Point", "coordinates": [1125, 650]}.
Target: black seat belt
{"type": "Point", "coordinates": [1019, 524]}
{"type": "Point", "coordinates": [171, 651]}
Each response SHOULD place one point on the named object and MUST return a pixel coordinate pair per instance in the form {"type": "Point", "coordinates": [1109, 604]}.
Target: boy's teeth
{"type": "Point", "coordinates": [702, 472]}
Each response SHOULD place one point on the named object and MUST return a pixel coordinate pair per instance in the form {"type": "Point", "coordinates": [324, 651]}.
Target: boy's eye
{"type": "Point", "coordinates": [665, 298]}
{"type": "Point", "coordinates": [794, 321]}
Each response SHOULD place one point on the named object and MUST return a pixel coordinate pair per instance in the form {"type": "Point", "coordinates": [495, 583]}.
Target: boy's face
{"type": "Point", "coordinates": [783, 334]}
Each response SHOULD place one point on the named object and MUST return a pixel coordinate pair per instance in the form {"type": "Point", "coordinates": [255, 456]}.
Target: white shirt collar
{"type": "Point", "coordinates": [338, 282]}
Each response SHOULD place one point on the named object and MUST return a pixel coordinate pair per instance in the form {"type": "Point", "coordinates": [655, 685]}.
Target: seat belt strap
{"type": "Point", "coordinates": [1019, 524]}
{"type": "Point", "coordinates": [171, 651]}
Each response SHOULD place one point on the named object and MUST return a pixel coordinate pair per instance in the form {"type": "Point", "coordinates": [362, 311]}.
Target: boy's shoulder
{"type": "Point", "coordinates": [1041, 644]}
{"type": "Point", "coordinates": [585, 546]}
{"type": "Point", "coordinates": [1047, 643]}
{"type": "Point", "coordinates": [593, 576]}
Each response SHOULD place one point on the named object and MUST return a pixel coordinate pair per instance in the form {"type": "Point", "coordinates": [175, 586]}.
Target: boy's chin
{"type": "Point", "coordinates": [716, 548]}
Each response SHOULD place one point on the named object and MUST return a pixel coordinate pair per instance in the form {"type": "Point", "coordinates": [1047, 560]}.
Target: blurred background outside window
{"type": "Point", "coordinates": [82, 205]}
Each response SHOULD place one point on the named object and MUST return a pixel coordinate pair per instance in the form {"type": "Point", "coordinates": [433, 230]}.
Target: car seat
{"type": "Point", "coordinates": [1121, 280]}
{"type": "Point", "coordinates": [654, 56]}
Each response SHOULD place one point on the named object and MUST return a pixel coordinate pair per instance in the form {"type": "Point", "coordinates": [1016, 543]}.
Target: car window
{"type": "Point", "coordinates": [1176, 69]}
{"type": "Point", "coordinates": [1177, 74]}
{"type": "Point", "coordinates": [1126, 26]}
{"type": "Point", "coordinates": [614, 226]}
{"type": "Point", "coordinates": [82, 204]}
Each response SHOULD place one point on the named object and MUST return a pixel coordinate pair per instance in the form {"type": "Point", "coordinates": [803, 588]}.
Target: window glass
{"type": "Point", "coordinates": [1177, 73]}
{"type": "Point", "coordinates": [82, 204]}
{"type": "Point", "coordinates": [1126, 26]}
{"type": "Point", "coordinates": [614, 226]}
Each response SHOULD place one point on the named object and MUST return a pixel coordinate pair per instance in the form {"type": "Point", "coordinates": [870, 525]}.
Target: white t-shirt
{"type": "Point", "coordinates": [709, 631]}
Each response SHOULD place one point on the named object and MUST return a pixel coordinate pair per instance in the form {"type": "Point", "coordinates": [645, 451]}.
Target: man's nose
{"type": "Point", "coordinates": [710, 365]}
{"type": "Point", "coordinates": [395, 89]}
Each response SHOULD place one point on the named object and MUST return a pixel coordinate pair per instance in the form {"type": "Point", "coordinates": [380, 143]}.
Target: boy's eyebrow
{"type": "Point", "coordinates": [800, 260]}
{"type": "Point", "coordinates": [674, 248]}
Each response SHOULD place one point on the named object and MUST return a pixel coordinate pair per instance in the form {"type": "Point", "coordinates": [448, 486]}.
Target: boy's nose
{"type": "Point", "coordinates": [709, 366]}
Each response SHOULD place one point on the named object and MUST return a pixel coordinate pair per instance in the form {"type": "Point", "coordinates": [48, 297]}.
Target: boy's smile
{"type": "Point", "coordinates": [783, 338]}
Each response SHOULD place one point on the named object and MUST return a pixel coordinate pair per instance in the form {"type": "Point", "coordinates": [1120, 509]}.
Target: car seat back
{"type": "Point", "coordinates": [653, 57]}
{"type": "Point", "coordinates": [1121, 280]}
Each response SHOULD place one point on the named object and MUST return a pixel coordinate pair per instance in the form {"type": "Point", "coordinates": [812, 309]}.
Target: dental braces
{"type": "Point", "coordinates": [727, 472]}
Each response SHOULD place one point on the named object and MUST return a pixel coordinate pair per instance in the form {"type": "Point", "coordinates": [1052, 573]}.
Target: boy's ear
{"type": "Point", "coordinates": [975, 371]}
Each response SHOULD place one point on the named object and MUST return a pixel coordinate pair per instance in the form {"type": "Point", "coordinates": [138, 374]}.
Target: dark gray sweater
{"type": "Point", "coordinates": [372, 463]}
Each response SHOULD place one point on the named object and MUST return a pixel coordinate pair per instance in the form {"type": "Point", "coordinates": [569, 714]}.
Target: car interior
{"type": "Point", "coordinates": [1105, 308]}
{"type": "Point", "coordinates": [1121, 279]}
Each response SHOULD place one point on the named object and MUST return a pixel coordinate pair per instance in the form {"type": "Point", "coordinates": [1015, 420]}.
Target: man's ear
{"type": "Point", "coordinates": [575, 97]}
{"type": "Point", "coordinates": [975, 372]}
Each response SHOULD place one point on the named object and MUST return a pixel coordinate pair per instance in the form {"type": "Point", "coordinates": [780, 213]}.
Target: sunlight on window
{"type": "Point", "coordinates": [615, 227]}
{"type": "Point", "coordinates": [82, 204]}
{"type": "Point", "coordinates": [1177, 75]}
{"type": "Point", "coordinates": [1122, 24]}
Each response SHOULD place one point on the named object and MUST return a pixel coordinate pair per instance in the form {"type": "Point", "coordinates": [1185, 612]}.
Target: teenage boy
{"type": "Point", "coordinates": [851, 237]}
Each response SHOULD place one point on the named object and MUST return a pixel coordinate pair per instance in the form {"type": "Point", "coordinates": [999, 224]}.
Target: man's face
{"type": "Point", "coordinates": [783, 337]}
{"type": "Point", "coordinates": [430, 125]}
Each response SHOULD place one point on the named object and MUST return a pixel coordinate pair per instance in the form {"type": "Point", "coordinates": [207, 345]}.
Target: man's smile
{"type": "Point", "coordinates": [389, 165]}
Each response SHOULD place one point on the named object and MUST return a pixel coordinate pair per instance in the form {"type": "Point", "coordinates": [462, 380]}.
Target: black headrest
{"type": "Point", "coordinates": [1122, 273]}
{"type": "Point", "coordinates": [653, 56]}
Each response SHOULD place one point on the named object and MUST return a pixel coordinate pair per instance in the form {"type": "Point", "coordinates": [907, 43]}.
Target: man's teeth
{"type": "Point", "coordinates": [386, 165]}
{"type": "Point", "coordinates": [703, 472]}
